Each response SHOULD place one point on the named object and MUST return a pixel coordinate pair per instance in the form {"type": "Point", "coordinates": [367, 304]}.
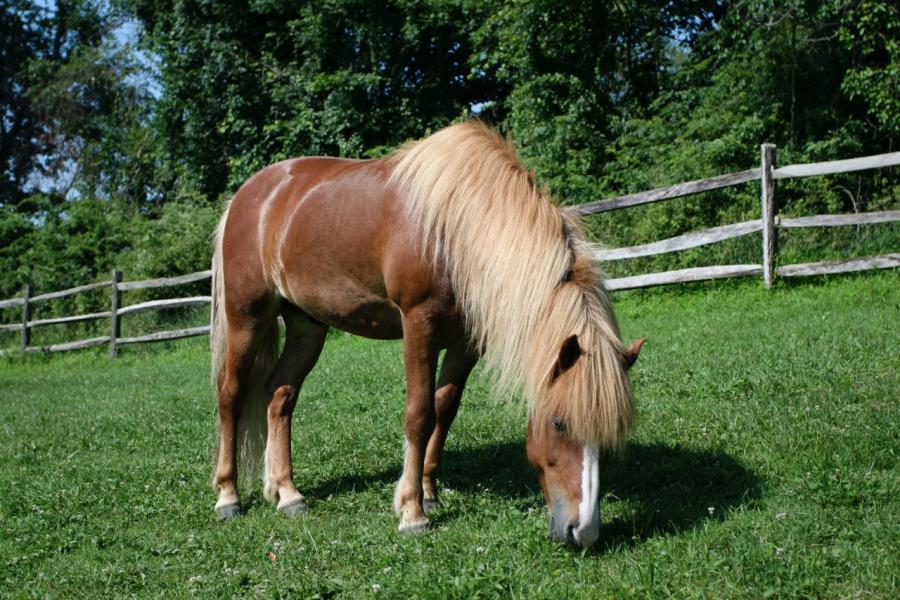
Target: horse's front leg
{"type": "Point", "coordinates": [420, 354]}
{"type": "Point", "coordinates": [458, 363]}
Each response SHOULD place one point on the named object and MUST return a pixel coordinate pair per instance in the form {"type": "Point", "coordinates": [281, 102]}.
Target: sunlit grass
{"type": "Point", "coordinates": [764, 464]}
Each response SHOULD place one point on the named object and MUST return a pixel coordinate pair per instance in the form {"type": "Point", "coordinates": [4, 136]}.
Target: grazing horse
{"type": "Point", "coordinates": [448, 244]}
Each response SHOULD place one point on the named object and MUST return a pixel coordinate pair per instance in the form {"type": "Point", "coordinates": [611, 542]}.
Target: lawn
{"type": "Point", "coordinates": [764, 464]}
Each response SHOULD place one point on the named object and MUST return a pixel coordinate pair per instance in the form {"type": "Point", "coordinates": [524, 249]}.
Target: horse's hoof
{"type": "Point", "coordinates": [292, 509]}
{"type": "Point", "coordinates": [429, 504]}
{"type": "Point", "coordinates": [228, 511]}
{"type": "Point", "coordinates": [414, 527]}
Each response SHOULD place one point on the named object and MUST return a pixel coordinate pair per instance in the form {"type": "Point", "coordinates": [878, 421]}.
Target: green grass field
{"type": "Point", "coordinates": [764, 464]}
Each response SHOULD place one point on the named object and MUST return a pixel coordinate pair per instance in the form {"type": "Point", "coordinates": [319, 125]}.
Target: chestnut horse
{"type": "Point", "coordinates": [448, 244]}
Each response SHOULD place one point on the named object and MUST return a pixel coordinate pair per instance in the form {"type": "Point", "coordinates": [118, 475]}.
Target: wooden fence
{"type": "Point", "coordinates": [114, 314]}
{"type": "Point", "coordinates": [769, 224]}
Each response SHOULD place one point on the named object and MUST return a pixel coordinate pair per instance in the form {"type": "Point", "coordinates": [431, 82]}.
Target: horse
{"type": "Point", "coordinates": [450, 244]}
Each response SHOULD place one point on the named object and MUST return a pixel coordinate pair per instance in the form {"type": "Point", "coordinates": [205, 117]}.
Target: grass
{"type": "Point", "coordinates": [764, 464]}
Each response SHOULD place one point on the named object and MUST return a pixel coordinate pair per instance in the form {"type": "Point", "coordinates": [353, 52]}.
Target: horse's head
{"type": "Point", "coordinates": [568, 469]}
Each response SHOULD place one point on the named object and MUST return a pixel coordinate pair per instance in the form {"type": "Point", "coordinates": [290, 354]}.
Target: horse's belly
{"type": "Point", "coordinates": [356, 311]}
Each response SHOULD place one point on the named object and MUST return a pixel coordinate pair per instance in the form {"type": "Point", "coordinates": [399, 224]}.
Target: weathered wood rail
{"type": "Point", "coordinates": [769, 223]}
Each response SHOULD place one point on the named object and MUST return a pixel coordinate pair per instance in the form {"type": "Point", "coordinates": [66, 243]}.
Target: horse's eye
{"type": "Point", "coordinates": [558, 425]}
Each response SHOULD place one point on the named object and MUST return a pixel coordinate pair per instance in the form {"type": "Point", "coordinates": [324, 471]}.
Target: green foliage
{"type": "Point", "coordinates": [871, 32]}
{"type": "Point", "coordinates": [600, 99]}
{"type": "Point", "coordinates": [769, 72]}
{"type": "Point", "coordinates": [564, 71]}
{"type": "Point", "coordinates": [58, 245]}
{"type": "Point", "coordinates": [178, 241]}
{"type": "Point", "coordinates": [247, 84]}
{"type": "Point", "coordinates": [70, 105]}
{"type": "Point", "coordinates": [17, 144]}
{"type": "Point", "coordinates": [81, 241]}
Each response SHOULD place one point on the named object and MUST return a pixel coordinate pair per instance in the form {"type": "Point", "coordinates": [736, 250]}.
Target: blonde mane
{"type": "Point", "coordinates": [523, 275]}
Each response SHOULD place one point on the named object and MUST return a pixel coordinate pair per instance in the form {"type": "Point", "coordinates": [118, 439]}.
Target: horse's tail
{"type": "Point", "coordinates": [218, 320]}
{"type": "Point", "coordinates": [252, 422]}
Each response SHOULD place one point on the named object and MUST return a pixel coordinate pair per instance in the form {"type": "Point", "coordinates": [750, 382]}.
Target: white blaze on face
{"type": "Point", "coordinates": [588, 529]}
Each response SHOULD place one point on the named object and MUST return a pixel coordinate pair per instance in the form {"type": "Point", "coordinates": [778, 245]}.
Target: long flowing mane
{"type": "Point", "coordinates": [523, 274]}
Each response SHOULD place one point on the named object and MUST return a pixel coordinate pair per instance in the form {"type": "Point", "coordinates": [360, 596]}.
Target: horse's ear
{"type": "Point", "coordinates": [631, 354]}
{"type": "Point", "coordinates": [568, 354]}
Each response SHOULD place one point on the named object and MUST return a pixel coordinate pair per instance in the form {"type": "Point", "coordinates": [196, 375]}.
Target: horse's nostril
{"type": "Point", "coordinates": [570, 534]}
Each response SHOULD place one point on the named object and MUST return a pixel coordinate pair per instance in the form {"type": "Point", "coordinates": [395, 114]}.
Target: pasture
{"type": "Point", "coordinates": [764, 464]}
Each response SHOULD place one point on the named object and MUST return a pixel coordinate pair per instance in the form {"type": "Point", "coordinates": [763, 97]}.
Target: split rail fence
{"type": "Point", "coordinates": [114, 314]}
{"type": "Point", "coordinates": [768, 224]}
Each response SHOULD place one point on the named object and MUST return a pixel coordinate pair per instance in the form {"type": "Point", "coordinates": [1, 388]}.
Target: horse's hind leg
{"type": "Point", "coordinates": [458, 363]}
{"type": "Point", "coordinates": [303, 344]}
{"type": "Point", "coordinates": [244, 338]}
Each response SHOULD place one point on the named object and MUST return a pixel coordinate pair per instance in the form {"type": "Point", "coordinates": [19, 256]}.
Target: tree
{"type": "Point", "coordinates": [22, 40]}
{"type": "Point", "coordinates": [248, 83]}
{"type": "Point", "coordinates": [871, 32]}
{"type": "Point", "coordinates": [69, 104]}
{"type": "Point", "coordinates": [565, 72]}
{"type": "Point", "coordinates": [768, 72]}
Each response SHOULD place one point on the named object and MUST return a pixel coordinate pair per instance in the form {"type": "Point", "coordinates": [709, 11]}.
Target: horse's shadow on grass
{"type": "Point", "coordinates": [666, 489]}
{"type": "Point", "coordinates": [655, 489]}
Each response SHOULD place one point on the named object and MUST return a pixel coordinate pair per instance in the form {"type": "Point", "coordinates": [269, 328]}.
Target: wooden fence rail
{"type": "Point", "coordinates": [165, 281]}
{"type": "Point", "coordinates": [676, 191]}
{"type": "Point", "coordinates": [769, 223]}
{"type": "Point", "coordinates": [682, 242]}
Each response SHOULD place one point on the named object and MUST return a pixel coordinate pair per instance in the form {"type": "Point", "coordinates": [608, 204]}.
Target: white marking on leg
{"type": "Point", "coordinates": [227, 500]}
{"type": "Point", "coordinates": [588, 529]}
{"type": "Point", "coordinates": [268, 493]}
{"type": "Point", "coordinates": [397, 506]}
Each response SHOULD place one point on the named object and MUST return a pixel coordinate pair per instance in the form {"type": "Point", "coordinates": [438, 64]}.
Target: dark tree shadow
{"type": "Point", "coordinates": [663, 489]}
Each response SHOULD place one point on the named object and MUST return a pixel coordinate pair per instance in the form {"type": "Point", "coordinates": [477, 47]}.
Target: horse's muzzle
{"type": "Point", "coordinates": [570, 531]}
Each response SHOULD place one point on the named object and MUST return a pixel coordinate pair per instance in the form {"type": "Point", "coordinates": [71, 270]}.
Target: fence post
{"type": "Point", "coordinates": [26, 316]}
{"type": "Point", "coordinates": [769, 211]}
{"type": "Point", "coordinates": [114, 313]}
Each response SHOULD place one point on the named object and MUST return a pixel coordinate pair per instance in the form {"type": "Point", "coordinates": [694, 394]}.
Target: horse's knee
{"type": "Point", "coordinates": [283, 400]}
{"type": "Point", "coordinates": [420, 424]}
{"type": "Point", "coordinates": [446, 401]}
